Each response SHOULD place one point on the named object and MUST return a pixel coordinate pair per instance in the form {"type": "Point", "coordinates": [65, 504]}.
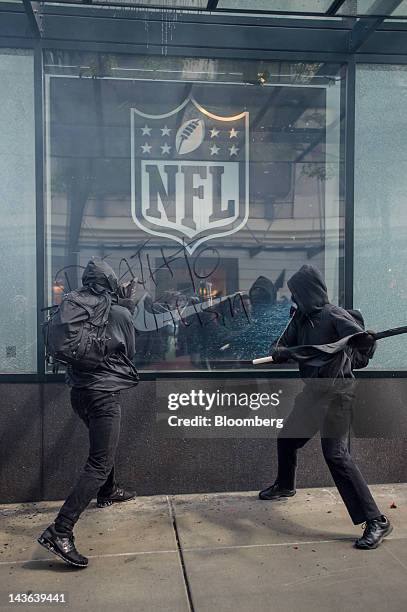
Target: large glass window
{"type": "Point", "coordinates": [210, 181]}
{"type": "Point", "coordinates": [18, 345]}
{"type": "Point", "coordinates": [380, 289]}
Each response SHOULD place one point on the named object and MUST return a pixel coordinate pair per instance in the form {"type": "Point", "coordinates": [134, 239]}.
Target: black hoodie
{"type": "Point", "coordinates": [263, 292]}
{"type": "Point", "coordinates": [117, 372]}
{"type": "Point", "coordinates": [317, 322]}
{"type": "Point", "coordinates": [100, 276]}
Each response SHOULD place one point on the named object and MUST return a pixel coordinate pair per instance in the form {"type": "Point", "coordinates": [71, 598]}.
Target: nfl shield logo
{"type": "Point", "coordinates": [190, 173]}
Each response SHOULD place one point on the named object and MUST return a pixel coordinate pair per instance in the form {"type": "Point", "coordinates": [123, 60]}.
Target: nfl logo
{"type": "Point", "coordinates": [190, 173]}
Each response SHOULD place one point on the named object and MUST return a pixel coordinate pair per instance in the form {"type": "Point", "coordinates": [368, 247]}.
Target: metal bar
{"type": "Point", "coordinates": [272, 373]}
{"type": "Point", "coordinates": [206, 52]}
{"type": "Point", "coordinates": [335, 6]}
{"type": "Point", "coordinates": [254, 372]}
{"type": "Point", "coordinates": [366, 26]}
{"type": "Point", "coordinates": [194, 9]}
{"type": "Point", "coordinates": [349, 183]}
{"type": "Point", "coordinates": [349, 260]}
{"type": "Point", "coordinates": [202, 16]}
{"type": "Point", "coordinates": [39, 190]}
{"type": "Point", "coordinates": [381, 59]}
{"type": "Point", "coordinates": [202, 36]}
{"type": "Point", "coordinates": [32, 19]}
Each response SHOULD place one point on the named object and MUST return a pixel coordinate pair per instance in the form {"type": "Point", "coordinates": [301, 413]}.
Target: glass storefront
{"type": "Point", "coordinates": [18, 286]}
{"type": "Point", "coordinates": [210, 181]}
{"type": "Point", "coordinates": [380, 258]}
{"type": "Point", "coordinates": [206, 175]}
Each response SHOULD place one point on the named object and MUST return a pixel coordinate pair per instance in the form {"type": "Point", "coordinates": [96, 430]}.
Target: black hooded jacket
{"type": "Point", "coordinates": [262, 292]}
{"type": "Point", "coordinates": [316, 322]}
{"type": "Point", "coordinates": [117, 372]}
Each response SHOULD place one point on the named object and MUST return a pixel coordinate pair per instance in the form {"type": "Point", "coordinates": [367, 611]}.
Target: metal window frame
{"type": "Point", "coordinates": [38, 44]}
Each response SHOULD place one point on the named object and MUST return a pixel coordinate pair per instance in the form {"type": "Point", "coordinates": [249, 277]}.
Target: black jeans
{"type": "Point", "coordinates": [101, 413]}
{"type": "Point", "coordinates": [328, 409]}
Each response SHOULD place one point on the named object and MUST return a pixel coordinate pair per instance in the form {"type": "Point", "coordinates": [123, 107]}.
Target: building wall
{"type": "Point", "coordinates": [44, 445]}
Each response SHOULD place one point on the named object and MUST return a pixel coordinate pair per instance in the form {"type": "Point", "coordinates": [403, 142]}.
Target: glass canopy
{"type": "Point", "coordinates": [384, 9]}
{"type": "Point", "coordinates": [360, 18]}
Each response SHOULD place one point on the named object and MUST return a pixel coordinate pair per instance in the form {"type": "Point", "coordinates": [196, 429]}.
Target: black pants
{"type": "Point", "coordinates": [327, 408]}
{"type": "Point", "coordinates": [101, 413]}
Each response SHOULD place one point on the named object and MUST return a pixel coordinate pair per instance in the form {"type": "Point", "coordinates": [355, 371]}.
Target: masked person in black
{"type": "Point", "coordinates": [95, 399]}
{"type": "Point", "coordinates": [325, 403]}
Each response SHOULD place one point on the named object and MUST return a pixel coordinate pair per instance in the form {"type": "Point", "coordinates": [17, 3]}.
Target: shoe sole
{"type": "Point", "coordinates": [276, 498]}
{"type": "Point", "coordinates": [49, 546]}
{"type": "Point", "coordinates": [388, 532]}
{"type": "Point", "coordinates": [110, 502]}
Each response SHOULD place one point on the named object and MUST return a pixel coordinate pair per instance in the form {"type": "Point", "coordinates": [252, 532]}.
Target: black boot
{"type": "Point", "coordinates": [118, 495]}
{"type": "Point", "coordinates": [274, 492]}
{"type": "Point", "coordinates": [375, 531]}
{"type": "Point", "coordinates": [62, 545]}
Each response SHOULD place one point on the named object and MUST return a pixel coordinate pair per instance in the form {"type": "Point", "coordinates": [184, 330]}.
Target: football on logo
{"type": "Point", "coordinates": [191, 183]}
{"type": "Point", "coordinates": [190, 136]}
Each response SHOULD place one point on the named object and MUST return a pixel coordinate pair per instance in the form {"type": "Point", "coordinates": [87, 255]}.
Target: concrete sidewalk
{"type": "Point", "coordinates": [208, 553]}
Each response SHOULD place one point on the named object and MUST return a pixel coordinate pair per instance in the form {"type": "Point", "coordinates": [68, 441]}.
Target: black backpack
{"type": "Point", "coordinates": [75, 332]}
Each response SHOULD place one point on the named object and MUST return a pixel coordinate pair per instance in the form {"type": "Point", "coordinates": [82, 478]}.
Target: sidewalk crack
{"type": "Point", "coordinates": [180, 554]}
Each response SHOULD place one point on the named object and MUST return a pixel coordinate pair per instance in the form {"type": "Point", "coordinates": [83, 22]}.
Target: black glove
{"type": "Point", "coordinates": [127, 303]}
{"type": "Point", "coordinates": [129, 289]}
{"type": "Point", "coordinates": [364, 342]}
{"type": "Point", "coordinates": [280, 354]}
{"type": "Point", "coordinates": [127, 295]}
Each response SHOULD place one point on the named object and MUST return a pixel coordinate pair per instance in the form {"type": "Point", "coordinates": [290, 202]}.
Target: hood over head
{"type": "Point", "coordinates": [357, 315]}
{"type": "Point", "coordinates": [263, 291]}
{"type": "Point", "coordinates": [308, 289]}
{"type": "Point", "coordinates": [99, 274]}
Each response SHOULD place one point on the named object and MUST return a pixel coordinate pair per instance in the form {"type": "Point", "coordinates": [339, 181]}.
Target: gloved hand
{"type": "Point", "coordinates": [127, 295]}
{"type": "Point", "coordinates": [365, 341]}
{"type": "Point", "coordinates": [280, 354]}
{"type": "Point", "coordinates": [128, 290]}
{"type": "Point", "coordinates": [127, 303]}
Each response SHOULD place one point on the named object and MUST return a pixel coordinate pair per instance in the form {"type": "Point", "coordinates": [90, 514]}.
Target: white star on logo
{"type": "Point", "coordinates": [146, 131]}
{"type": "Point", "coordinates": [165, 131]}
{"type": "Point", "coordinates": [233, 133]}
{"type": "Point", "coordinates": [214, 132]}
{"type": "Point", "coordinates": [165, 148]}
{"type": "Point", "coordinates": [214, 149]}
{"type": "Point", "coordinates": [233, 150]}
{"type": "Point", "coordinates": [146, 148]}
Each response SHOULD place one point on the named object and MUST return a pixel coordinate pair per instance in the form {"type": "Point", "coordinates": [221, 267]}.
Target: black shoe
{"type": "Point", "coordinates": [63, 546]}
{"type": "Point", "coordinates": [274, 492]}
{"type": "Point", "coordinates": [375, 531]}
{"type": "Point", "coordinates": [118, 495]}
